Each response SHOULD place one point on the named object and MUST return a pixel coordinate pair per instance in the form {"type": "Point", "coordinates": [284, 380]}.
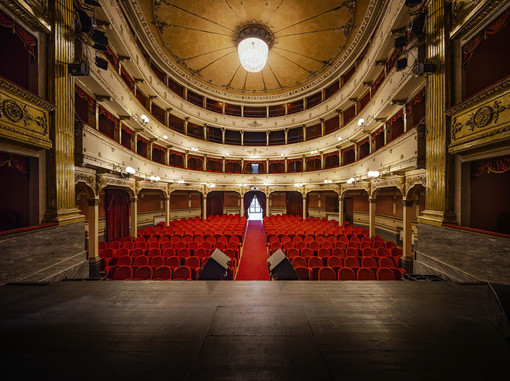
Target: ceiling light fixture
{"type": "Point", "coordinates": [144, 118]}
{"type": "Point", "coordinates": [253, 44]}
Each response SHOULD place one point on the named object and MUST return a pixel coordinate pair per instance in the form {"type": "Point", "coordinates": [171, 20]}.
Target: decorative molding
{"type": "Point", "coordinates": [87, 178]}
{"type": "Point", "coordinates": [143, 184]}
{"type": "Point", "coordinates": [481, 120]}
{"type": "Point", "coordinates": [470, 15]}
{"type": "Point", "coordinates": [24, 116]}
{"type": "Point", "coordinates": [396, 182]}
{"type": "Point", "coordinates": [34, 13]}
{"type": "Point", "coordinates": [104, 180]}
{"type": "Point", "coordinates": [376, 11]}
{"type": "Point", "coordinates": [413, 180]}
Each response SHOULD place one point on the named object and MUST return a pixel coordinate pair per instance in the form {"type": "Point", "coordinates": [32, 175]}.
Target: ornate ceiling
{"type": "Point", "coordinates": [312, 38]}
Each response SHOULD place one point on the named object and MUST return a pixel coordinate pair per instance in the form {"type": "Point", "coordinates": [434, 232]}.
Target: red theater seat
{"type": "Point", "coordinates": [337, 252]}
{"type": "Point", "coordinates": [352, 262]}
{"type": "Point", "coordinates": [299, 262]}
{"type": "Point", "coordinates": [383, 252]}
{"type": "Point", "coordinates": [314, 262]}
{"type": "Point", "coordinates": [137, 252]}
{"type": "Point", "coordinates": [368, 262]}
{"type": "Point", "coordinates": [351, 252]}
{"type": "Point", "coordinates": [302, 273]}
{"type": "Point", "coordinates": [307, 252]}
{"type": "Point", "coordinates": [162, 273]}
{"type": "Point", "coordinates": [141, 260]}
{"type": "Point", "coordinates": [292, 253]}
{"type": "Point", "coordinates": [154, 253]}
{"type": "Point", "coordinates": [346, 273]}
{"type": "Point", "coordinates": [385, 273]}
{"type": "Point", "coordinates": [386, 262]}
{"type": "Point", "coordinates": [334, 262]}
{"type": "Point", "coordinates": [365, 273]}
{"type": "Point", "coordinates": [168, 252]}
{"type": "Point", "coordinates": [143, 273]}
{"type": "Point", "coordinates": [173, 262]}
{"type": "Point", "coordinates": [390, 244]}
{"type": "Point", "coordinates": [157, 261]}
{"type": "Point", "coordinates": [327, 273]}
{"type": "Point", "coordinates": [182, 273]}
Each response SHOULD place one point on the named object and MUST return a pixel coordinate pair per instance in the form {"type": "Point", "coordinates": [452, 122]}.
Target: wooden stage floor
{"type": "Point", "coordinates": [249, 331]}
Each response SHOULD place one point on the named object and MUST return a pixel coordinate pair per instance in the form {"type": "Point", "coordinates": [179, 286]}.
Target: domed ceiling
{"type": "Point", "coordinates": [310, 37]}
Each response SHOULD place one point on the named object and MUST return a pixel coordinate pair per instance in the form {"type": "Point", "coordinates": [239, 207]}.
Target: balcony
{"type": "Point", "coordinates": [24, 117]}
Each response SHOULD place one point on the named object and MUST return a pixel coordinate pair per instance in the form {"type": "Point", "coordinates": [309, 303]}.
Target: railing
{"type": "Point", "coordinates": [24, 116]}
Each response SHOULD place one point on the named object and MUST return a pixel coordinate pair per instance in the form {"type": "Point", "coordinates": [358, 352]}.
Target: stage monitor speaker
{"type": "Point", "coordinates": [499, 307]}
{"type": "Point", "coordinates": [217, 267]}
{"type": "Point", "coordinates": [280, 267]}
{"type": "Point", "coordinates": [79, 69]}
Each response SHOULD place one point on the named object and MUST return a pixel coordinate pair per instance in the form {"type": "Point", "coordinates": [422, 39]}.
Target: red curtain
{"type": "Point", "coordinates": [294, 203]}
{"type": "Point", "coordinates": [27, 39]}
{"type": "Point", "coordinates": [117, 213]}
{"type": "Point", "coordinates": [261, 197]}
{"type": "Point", "coordinates": [248, 198]}
{"type": "Point", "coordinates": [215, 203]}
{"type": "Point", "coordinates": [497, 165]}
{"type": "Point", "coordinates": [20, 163]}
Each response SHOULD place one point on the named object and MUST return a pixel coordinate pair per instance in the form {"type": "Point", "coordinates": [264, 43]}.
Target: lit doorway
{"type": "Point", "coordinates": [255, 211]}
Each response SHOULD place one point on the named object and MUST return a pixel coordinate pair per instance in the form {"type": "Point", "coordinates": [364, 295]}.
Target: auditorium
{"type": "Point", "coordinates": [255, 189]}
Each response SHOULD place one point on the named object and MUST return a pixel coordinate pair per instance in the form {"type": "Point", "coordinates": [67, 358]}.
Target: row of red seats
{"type": "Point", "coordinates": [316, 245]}
{"type": "Point", "coordinates": [349, 252]}
{"type": "Point", "coordinates": [159, 273]}
{"type": "Point", "coordinates": [282, 238]}
{"type": "Point", "coordinates": [335, 262]}
{"type": "Point", "coordinates": [206, 245]}
{"type": "Point", "coordinates": [347, 273]}
{"type": "Point", "coordinates": [192, 262]}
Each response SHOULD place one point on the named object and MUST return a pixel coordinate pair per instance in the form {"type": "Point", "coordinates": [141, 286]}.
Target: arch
{"type": "Point", "coordinates": [248, 198]}
{"type": "Point", "coordinates": [215, 203]}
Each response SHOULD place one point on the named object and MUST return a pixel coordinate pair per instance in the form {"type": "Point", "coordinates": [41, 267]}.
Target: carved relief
{"type": "Point", "coordinates": [412, 181]}
{"type": "Point", "coordinates": [396, 182]}
{"type": "Point", "coordinates": [105, 180]}
{"type": "Point", "coordinates": [482, 119]}
{"type": "Point", "coordinates": [24, 116]}
{"type": "Point", "coordinates": [87, 178]}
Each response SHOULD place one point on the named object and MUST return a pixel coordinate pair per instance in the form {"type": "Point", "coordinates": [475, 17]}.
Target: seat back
{"type": "Point", "coordinates": [383, 252]}
{"type": "Point", "coordinates": [314, 262]}
{"type": "Point", "coordinates": [192, 262]}
{"type": "Point", "coordinates": [182, 273]}
{"type": "Point", "coordinates": [122, 272]}
{"type": "Point", "coordinates": [136, 252]}
{"type": "Point", "coordinates": [386, 262]}
{"type": "Point", "coordinates": [351, 252]}
{"type": "Point", "coordinates": [368, 262]}
{"type": "Point", "coordinates": [364, 273]}
{"type": "Point", "coordinates": [327, 273]}
{"type": "Point", "coordinates": [125, 260]}
{"type": "Point", "coordinates": [335, 262]}
{"type": "Point", "coordinates": [299, 262]}
{"type": "Point", "coordinates": [154, 252]}
{"type": "Point", "coordinates": [385, 273]}
{"type": "Point", "coordinates": [323, 252]}
{"type": "Point", "coordinates": [351, 262]}
{"type": "Point", "coordinates": [307, 252]}
{"type": "Point", "coordinates": [157, 261]}
{"type": "Point", "coordinates": [302, 273]}
{"type": "Point", "coordinates": [143, 272]}
{"type": "Point", "coordinates": [173, 262]}
{"type": "Point", "coordinates": [346, 273]}
{"type": "Point", "coordinates": [141, 260]}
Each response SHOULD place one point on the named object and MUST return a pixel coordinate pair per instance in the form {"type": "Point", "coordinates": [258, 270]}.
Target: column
{"type": "Point", "coordinates": [304, 206]}
{"type": "Point", "coordinates": [186, 120]}
{"type": "Point", "coordinates": [205, 131]}
{"type": "Point", "coordinates": [204, 206]}
{"type": "Point", "coordinates": [340, 211]}
{"type": "Point", "coordinates": [241, 213]}
{"type": "Point", "coordinates": [323, 126]}
{"type": "Point", "coordinates": [439, 193]}
{"type": "Point", "coordinates": [268, 204]}
{"type": "Point", "coordinates": [408, 230]}
{"type": "Point", "coordinates": [135, 141]}
{"type": "Point", "coordinates": [242, 138]}
{"type": "Point", "coordinates": [120, 133]}
{"type": "Point", "coordinates": [149, 151]}
{"type": "Point", "coordinates": [223, 135]}
{"type": "Point", "coordinates": [286, 135]}
{"type": "Point", "coordinates": [96, 115]}
{"type": "Point", "coordinates": [371, 216]}
{"type": "Point", "coordinates": [167, 210]}
{"type": "Point", "coordinates": [223, 165]}
{"type": "Point", "coordinates": [94, 259]}
{"type": "Point", "coordinates": [133, 211]}
{"type": "Point", "coordinates": [286, 168]}
{"type": "Point", "coordinates": [61, 200]}
{"type": "Point", "coordinates": [204, 163]}
{"type": "Point", "coordinates": [304, 133]}
{"type": "Point", "coordinates": [322, 160]}
{"type": "Point", "coordinates": [186, 160]}
{"type": "Point", "coordinates": [267, 138]}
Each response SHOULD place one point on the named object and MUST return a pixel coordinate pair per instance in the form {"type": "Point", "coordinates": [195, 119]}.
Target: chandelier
{"type": "Point", "coordinates": [253, 54]}
{"type": "Point", "coordinates": [253, 44]}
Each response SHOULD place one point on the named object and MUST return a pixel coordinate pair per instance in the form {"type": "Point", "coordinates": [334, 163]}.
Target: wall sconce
{"type": "Point", "coordinates": [153, 179]}
{"type": "Point", "coordinates": [328, 181]}
{"type": "Point", "coordinates": [351, 180]}
{"type": "Point", "coordinates": [126, 174]}
{"type": "Point", "coordinates": [373, 174]}
{"type": "Point", "coordinates": [193, 149]}
{"type": "Point", "coordinates": [144, 118]}
{"type": "Point", "coordinates": [180, 182]}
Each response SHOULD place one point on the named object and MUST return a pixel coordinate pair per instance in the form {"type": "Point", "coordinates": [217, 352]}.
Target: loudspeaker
{"type": "Point", "coordinates": [401, 64]}
{"type": "Point", "coordinates": [101, 63]}
{"type": "Point", "coordinates": [412, 3]}
{"type": "Point", "coordinates": [85, 21]}
{"type": "Point", "coordinates": [280, 267]}
{"type": "Point", "coordinates": [499, 307]}
{"type": "Point", "coordinates": [424, 68]}
{"type": "Point", "coordinates": [79, 69]}
{"type": "Point", "coordinates": [417, 25]}
{"type": "Point", "coordinates": [99, 37]}
{"type": "Point", "coordinates": [400, 42]}
{"type": "Point", "coordinates": [217, 267]}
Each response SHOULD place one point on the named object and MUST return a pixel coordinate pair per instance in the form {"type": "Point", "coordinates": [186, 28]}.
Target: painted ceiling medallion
{"type": "Point", "coordinates": [304, 40]}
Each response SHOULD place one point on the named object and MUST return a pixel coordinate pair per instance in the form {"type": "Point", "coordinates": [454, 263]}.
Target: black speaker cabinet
{"type": "Point", "coordinates": [280, 267]}
{"type": "Point", "coordinates": [499, 307]}
{"type": "Point", "coordinates": [217, 267]}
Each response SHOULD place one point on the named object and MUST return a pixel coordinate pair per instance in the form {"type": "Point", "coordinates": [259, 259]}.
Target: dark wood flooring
{"type": "Point", "coordinates": [249, 331]}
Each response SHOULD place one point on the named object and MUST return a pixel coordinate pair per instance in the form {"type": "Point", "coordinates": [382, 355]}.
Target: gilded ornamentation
{"type": "Point", "coordinates": [24, 116]}
{"type": "Point", "coordinates": [396, 182]}
{"type": "Point", "coordinates": [478, 118]}
{"type": "Point", "coordinates": [89, 179]}
{"type": "Point", "coordinates": [470, 15]}
{"type": "Point", "coordinates": [412, 181]}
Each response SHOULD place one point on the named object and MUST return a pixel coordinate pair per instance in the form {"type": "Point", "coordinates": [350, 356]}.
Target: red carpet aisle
{"type": "Point", "coordinates": [253, 265]}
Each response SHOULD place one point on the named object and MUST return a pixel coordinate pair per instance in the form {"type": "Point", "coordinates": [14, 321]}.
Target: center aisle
{"type": "Point", "coordinates": [253, 265]}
